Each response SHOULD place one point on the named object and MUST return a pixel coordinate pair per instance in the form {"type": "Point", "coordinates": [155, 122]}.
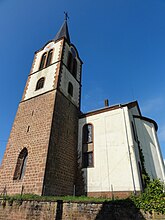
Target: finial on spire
{"type": "Point", "coordinates": [66, 16]}
{"type": "Point", "coordinates": [63, 32]}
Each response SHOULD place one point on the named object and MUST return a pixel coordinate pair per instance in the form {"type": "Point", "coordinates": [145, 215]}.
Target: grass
{"type": "Point", "coordinates": [30, 197]}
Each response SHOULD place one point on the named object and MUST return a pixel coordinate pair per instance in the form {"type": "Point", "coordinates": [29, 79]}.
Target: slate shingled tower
{"type": "Point", "coordinates": [41, 151]}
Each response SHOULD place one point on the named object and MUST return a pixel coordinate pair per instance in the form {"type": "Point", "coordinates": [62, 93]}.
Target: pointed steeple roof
{"type": "Point", "coordinates": [63, 32]}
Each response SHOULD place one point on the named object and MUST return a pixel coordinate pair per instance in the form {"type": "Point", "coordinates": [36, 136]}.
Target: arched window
{"type": "Point", "coordinates": [72, 62]}
{"type": "Point", "coordinates": [87, 133]}
{"type": "Point", "coordinates": [87, 146]}
{"type": "Point", "coordinates": [46, 59]}
{"type": "Point", "coordinates": [49, 58]}
{"type": "Point", "coordinates": [70, 89]}
{"type": "Point", "coordinates": [21, 165]}
{"type": "Point", "coordinates": [74, 72]}
{"type": "Point", "coordinates": [73, 52]}
{"type": "Point", "coordinates": [40, 83]}
{"type": "Point", "coordinates": [43, 60]}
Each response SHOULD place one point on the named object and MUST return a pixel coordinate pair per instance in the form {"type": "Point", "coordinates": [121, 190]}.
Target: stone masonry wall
{"type": "Point", "coordinates": [31, 129]}
{"type": "Point", "coordinates": [59, 210]}
{"type": "Point", "coordinates": [61, 163]}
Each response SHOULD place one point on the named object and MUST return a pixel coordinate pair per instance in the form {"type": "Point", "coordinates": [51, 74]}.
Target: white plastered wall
{"type": "Point", "coordinates": [114, 159]}
{"type": "Point", "coordinates": [49, 46]}
{"type": "Point", "coordinates": [48, 73]}
{"type": "Point", "coordinates": [66, 77]}
{"type": "Point", "coordinates": [151, 149]}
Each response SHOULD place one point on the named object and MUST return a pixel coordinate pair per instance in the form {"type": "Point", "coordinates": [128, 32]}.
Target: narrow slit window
{"type": "Point", "coordinates": [28, 128]}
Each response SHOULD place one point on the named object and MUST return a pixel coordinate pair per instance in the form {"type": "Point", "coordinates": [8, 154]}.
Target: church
{"type": "Point", "coordinates": [56, 149]}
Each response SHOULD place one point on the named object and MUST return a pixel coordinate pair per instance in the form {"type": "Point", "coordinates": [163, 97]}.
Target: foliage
{"type": "Point", "coordinates": [145, 176]}
{"type": "Point", "coordinates": [153, 198]}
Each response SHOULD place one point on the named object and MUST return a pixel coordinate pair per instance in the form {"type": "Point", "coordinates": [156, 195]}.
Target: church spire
{"type": "Point", "coordinates": [63, 32]}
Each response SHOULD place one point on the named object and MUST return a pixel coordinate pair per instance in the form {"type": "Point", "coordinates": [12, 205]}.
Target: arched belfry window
{"type": "Point", "coordinates": [43, 60]}
{"type": "Point", "coordinates": [74, 72]}
{"type": "Point", "coordinates": [87, 146]}
{"type": "Point", "coordinates": [21, 165]}
{"type": "Point", "coordinates": [70, 88]}
{"type": "Point", "coordinates": [49, 57]}
{"type": "Point", "coordinates": [72, 62]}
{"type": "Point", "coordinates": [40, 83]}
{"type": "Point", "coordinates": [46, 59]}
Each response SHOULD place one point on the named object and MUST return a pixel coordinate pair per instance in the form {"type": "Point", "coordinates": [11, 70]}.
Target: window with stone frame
{"type": "Point", "coordinates": [21, 165]}
{"type": "Point", "coordinates": [74, 70]}
{"type": "Point", "coordinates": [69, 63]}
{"type": "Point", "coordinates": [70, 89]}
{"type": "Point", "coordinates": [49, 57]}
{"type": "Point", "coordinates": [46, 59]}
{"type": "Point", "coordinates": [40, 83]}
{"type": "Point", "coordinates": [87, 146]}
{"type": "Point", "coordinates": [72, 62]}
{"type": "Point", "coordinates": [43, 60]}
{"type": "Point", "coordinates": [88, 159]}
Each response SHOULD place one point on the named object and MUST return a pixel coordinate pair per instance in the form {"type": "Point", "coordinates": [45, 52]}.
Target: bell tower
{"type": "Point", "coordinates": [40, 156]}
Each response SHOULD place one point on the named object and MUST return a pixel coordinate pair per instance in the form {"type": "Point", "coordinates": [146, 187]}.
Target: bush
{"type": "Point", "coordinates": [153, 198]}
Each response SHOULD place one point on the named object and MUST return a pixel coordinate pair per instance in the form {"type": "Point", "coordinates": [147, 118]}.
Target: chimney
{"type": "Point", "coordinates": [106, 102]}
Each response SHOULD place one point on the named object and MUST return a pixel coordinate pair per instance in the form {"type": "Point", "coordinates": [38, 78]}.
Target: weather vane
{"type": "Point", "coordinates": [66, 15]}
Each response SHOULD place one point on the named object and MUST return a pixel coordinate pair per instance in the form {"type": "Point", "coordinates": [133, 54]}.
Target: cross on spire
{"type": "Point", "coordinates": [66, 16]}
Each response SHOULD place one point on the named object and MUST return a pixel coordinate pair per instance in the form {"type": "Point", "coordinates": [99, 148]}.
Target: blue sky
{"type": "Point", "coordinates": [121, 42]}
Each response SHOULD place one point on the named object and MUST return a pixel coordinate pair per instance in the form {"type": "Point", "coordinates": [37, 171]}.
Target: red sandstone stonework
{"type": "Point", "coordinates": [61, 161]}
{"type": "Point", "coordinates": [60, 210]}
{"type": "Point", "coordinates": [36, 113]}
{"type": "Point", "coordinates": [117, 194]}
